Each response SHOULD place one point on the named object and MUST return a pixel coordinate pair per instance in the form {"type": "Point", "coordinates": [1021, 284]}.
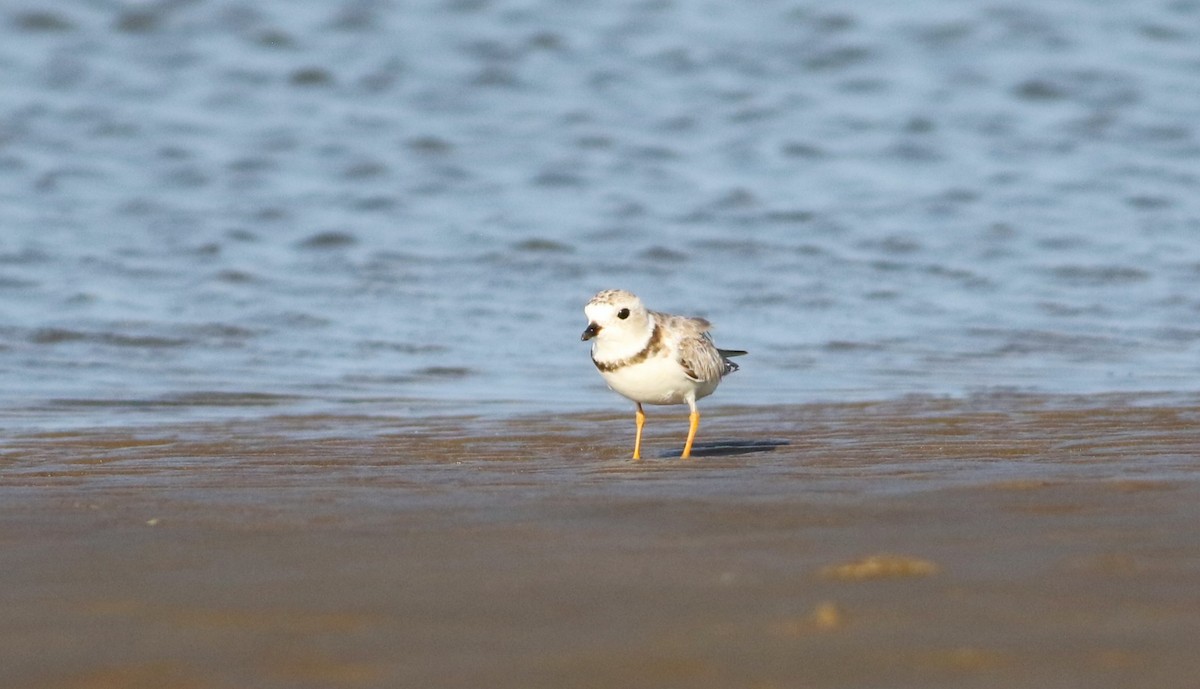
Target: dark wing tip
{"type": "Point", "coordinates": [730, 367]}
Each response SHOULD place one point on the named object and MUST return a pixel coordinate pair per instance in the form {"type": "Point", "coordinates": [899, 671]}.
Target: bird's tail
{"type": "Point", "coordinates": [730, 367]}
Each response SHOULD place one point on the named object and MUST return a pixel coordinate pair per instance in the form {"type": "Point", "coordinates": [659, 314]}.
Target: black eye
{"type": "Point", "coordinates": [623, 314]}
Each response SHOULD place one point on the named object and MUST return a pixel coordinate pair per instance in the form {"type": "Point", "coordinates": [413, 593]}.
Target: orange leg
{"type": "Point", "coordinates": [694, 420]}
{"type": "Point", "coordinates": [640, 418]}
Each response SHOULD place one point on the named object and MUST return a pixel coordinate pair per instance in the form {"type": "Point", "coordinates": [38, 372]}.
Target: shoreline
{"type": "Point", "coordinates": [909, 543]}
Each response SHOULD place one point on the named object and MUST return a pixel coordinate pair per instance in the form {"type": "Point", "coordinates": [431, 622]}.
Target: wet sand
{"type": "Point", "coordinates": [993, 541]}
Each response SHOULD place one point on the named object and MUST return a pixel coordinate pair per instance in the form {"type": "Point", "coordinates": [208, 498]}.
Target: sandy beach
{"type": "Point", "coordinates": [991, 541]}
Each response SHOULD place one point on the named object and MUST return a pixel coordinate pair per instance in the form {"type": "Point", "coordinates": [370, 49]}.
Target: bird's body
{"type": "Point", "coordinates": [652, 357]}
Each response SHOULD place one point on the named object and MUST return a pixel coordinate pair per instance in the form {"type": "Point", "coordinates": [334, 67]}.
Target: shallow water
{"type": "Point", "coordinates": [222, 209]}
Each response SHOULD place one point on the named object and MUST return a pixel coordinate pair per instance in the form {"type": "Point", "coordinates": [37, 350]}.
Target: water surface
{"type": "Point", "coordinates": [219, 209]}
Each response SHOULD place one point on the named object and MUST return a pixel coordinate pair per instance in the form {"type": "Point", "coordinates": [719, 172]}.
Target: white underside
{"type": "Point", "coordinates": [658, 380]}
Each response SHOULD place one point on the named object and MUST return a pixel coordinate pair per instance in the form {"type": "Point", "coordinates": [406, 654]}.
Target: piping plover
{"type": "Point", "coordinates": [654, 358]}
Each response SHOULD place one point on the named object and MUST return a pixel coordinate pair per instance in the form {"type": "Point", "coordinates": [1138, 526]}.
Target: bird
{"type": "Point", "coordinates": [652, 357]}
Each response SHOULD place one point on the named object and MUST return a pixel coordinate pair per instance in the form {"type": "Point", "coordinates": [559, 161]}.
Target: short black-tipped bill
{"type": "Point", "coordinates": [589, 332]}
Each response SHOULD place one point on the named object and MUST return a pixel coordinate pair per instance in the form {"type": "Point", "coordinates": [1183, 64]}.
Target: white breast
{"type": "Point", "coordinates": [657, 380]}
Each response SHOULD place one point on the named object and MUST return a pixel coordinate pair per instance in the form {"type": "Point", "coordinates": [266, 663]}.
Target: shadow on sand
{"type": "Point", "coordinates": [728, 448]}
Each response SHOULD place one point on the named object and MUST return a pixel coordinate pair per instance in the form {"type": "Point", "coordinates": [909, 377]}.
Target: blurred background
{"type": "Point", "coordinates": [226, 208]}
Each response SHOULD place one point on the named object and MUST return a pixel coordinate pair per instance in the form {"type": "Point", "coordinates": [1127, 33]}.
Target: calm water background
{"type": "Point", "coordinates": [233, 208]}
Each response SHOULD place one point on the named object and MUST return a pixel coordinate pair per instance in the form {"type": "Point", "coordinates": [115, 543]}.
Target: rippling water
{"type": "Point", "coordinates": [226, 208]}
